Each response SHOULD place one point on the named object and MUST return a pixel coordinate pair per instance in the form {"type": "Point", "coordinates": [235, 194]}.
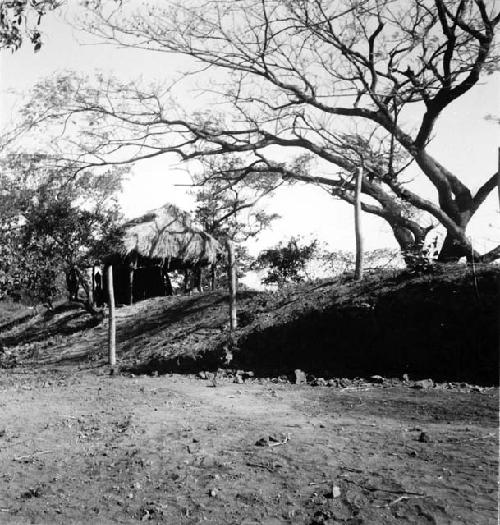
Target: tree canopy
{"type": "Point", "coordinates": [338, 84]}
{"type": "Point", "coordinates": [51, 222]}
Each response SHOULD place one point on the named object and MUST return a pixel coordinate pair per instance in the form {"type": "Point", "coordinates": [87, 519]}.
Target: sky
{"type": "Point", "coordinates": [465, 143]}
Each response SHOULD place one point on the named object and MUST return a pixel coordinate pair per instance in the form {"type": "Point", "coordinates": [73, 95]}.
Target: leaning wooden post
{"type": "Point", "coordinates": [358, 274]}
{"type": "Point", "coordinates": [112, 320]}
{"type": "Point", "coordinates": [231, 276]}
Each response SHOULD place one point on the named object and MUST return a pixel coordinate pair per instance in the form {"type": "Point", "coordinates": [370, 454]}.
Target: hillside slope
{"type": "Point", "coordinates": [442, 325]}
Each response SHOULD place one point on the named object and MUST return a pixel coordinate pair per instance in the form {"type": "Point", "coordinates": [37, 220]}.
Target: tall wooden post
{"type": "Point", "coordinates": [231, 276]}
{"type": "Point", "coordinates": [92, 286]}
{"type": "Point", "coordinates": [112, 320]}
{"type": "Point", "coordinates": [498, 177]}
{"type": "Point", "coordinates": [131, 285]}
{"type": "Point", "coordinates": [358, 274]}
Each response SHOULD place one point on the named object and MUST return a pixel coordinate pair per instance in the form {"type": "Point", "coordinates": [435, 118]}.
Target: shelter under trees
{"type": "Point", "coordinates": [145, 249]}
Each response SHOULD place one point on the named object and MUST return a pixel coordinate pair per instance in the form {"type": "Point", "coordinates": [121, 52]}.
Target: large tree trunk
{"type": "Point", "coordinates": [411, 244]}
{"type": "Point", "coordinates": [452, 251]}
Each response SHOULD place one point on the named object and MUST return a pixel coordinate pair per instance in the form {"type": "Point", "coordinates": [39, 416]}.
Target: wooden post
{"type": "Point", "coordinates": [213, 277]}
{"type": "Point", "coordinates": [131, 285]}
{"type": "Point", "coordinates": [231, 276]}
{"type": "Point", "coordinates": [358, 274]}
{"type": "Point", "coordinates": [112, 320]}
{"type": "Point", "coordinates": [498, 177]}
{"type": "Point", "coordinates": [92, 286]}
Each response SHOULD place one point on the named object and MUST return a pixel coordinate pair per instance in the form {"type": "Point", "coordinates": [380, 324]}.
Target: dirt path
{"type": "Point", "coordinates": [88, 448]}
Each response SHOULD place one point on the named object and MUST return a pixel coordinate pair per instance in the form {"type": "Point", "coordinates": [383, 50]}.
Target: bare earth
{"type": "Point", "coordinates": [80, 446]}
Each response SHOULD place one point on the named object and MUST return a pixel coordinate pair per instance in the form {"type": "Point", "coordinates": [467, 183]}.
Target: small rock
{"type": "Point", "coordinates": [423, 384]}
{"type": "Point", "coordinates": [376, 379]}
{"type": "Point", "coordinates": [424, 437]}
{"type": "Point", "coordinates": [154, 373]}
{"type": "Point", "coordinates": [406, 378]}
{"type": "Point", "coordinates": [331, 382]}
{"type": "Point", "coordinates": [300, 377]}
{"type": "Point", "coordinates": [335, 492]}
{"type": "Point", "coordinates": [319, 381]}
{"type": "Point", "coordinates": [238, 379]}
{"type": "Point", "coordinates": [213, 493]}
{"type": "Point", "coordinates": [344, 382]}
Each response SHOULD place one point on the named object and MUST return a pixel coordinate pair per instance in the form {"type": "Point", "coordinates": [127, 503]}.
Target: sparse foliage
{"type": "Point", "coordinates": [228, 208]}
{"type": "Point", "coordinates": [20, 20]}
{"type": "Point", "coordinates": [286, 263]}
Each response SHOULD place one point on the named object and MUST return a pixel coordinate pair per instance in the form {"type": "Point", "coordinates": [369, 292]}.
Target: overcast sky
{"type": "Point", "coordinates": [465, 143]}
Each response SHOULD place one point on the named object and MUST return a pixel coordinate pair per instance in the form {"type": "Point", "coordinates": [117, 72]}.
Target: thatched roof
{"type": "Point", "coordinates": [167, 233]}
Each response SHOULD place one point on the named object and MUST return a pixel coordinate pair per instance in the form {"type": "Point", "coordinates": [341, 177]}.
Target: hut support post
{"type": "Point", "coordinates": [112, 320]}
{"type": "Point", "coordinates": [358, 274]}
{"type": "Point", "coordinates": [131, 285]}
{"type": "Point", "coordinates": [231, 274]}
{"type": "Point", "coordinates": [93, 285]}
{"type": "Point", "coordinates": [213, 277]}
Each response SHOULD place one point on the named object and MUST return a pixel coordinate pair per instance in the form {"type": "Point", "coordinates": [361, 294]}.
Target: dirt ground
{"type": "Point", "coordinates": [80, 446]}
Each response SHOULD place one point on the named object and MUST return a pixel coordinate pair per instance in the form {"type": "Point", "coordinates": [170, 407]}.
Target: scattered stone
{"type": "Point", "coordinates": [319, 381]}
{"type": "Point", "coordinates": [322, 517]}
{"type": "Point", "coordinates": [344, 382]}
{"type": "Point", "coordinates": [332, 382]}
{"type": "Point", "coordinates": [423, 384]}
{"type": "Point", "coordinates": [238, 379]}
{"type": "Point", "coordinates": [272, 440]}
{"type": "Point", "coordinates": [424, 438]}
{"type": "Point", "coordinates": [300, 377]}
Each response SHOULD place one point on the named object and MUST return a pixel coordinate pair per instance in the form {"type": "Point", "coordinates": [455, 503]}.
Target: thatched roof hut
{"type": "Point", "coordinates": [167, 234]}
{"type": "Point", "coordinates": [148, 247]}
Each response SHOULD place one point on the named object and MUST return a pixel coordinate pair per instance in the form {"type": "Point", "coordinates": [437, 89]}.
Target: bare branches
{"type": "Point", "coordinates": [298, 76]}
{"type": "Point", "coordinates": [483, 192]}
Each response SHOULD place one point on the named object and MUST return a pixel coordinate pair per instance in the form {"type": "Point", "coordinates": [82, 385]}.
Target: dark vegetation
{"type": "Point", "coordinates": [442, 325]}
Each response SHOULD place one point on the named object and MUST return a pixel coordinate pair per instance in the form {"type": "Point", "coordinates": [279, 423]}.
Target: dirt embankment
{"type": "Point", "coordinates": [442, 325]}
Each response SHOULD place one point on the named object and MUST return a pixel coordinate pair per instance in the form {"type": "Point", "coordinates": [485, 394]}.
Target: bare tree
{"type": "Point", "coordinates": [341, 81]}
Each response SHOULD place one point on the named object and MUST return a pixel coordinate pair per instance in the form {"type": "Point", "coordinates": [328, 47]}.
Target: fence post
{"type": "Point", "coordinates": [498, 176]}
{"type": "Point", "coordinates": [358, 274]}
{"type": "Point", "coordinates": [231, 276]}
{"type": "Point", "coordinates": [112, 320]}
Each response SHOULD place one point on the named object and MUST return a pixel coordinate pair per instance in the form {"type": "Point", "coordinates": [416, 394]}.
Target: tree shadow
{"type": "Point", "coordinates": [65, 319]}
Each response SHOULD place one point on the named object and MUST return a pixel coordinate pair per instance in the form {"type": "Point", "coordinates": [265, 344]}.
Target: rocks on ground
{"type": "Point", "coordinates": [300, 377]}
